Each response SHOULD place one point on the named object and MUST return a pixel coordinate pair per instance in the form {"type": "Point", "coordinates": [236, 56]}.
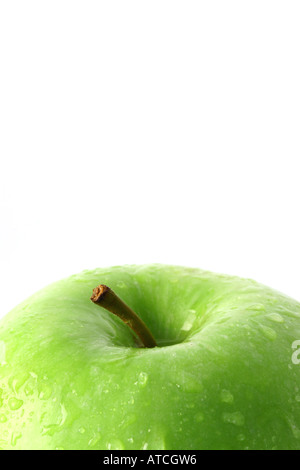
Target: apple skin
{"type": "Point", "coordinates": [71, 376]}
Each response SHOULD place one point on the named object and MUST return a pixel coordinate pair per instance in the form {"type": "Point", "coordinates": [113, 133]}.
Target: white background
{"type": "Point", "coordinates": [149, 131]}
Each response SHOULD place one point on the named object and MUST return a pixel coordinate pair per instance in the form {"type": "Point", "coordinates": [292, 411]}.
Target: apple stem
{"type": "Point", "coordinates": [108, 299]}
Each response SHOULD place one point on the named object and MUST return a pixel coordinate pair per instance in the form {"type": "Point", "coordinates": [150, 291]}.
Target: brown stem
{"type": "Point", "coordinates": [106, 298]}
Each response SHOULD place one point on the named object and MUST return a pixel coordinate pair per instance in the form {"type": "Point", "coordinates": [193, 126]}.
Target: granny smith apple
{"type": "Point", "coordinates": [216, 371]}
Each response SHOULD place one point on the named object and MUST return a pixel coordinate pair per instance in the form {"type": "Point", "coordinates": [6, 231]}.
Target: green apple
{"type": "Point", "coordinates": [74, 376]}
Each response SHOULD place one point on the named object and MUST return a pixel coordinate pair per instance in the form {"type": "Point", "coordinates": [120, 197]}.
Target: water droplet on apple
{"type": "Point", "coordinates": [259, 307]}
{"type": "Point", "coordinates": [295, 430]}
{"type": "Point", "coordinates": [51, 428]}
{"type": "Point", "coordinates": [115, 444]}
{"type": "Point", "coordinates": [2, 353]}
{"type": "Point", "coordinates": [64, 414]}
{"type": "Point", "coordinates": [14, 438]}
{"type": "Point", "coordinates": [235, 418]}
{"type": "Point", "coordinates": [129, 419]}
{"type": "Point", "coordinates": [81, 430]}
{"type": "Point", "coordinates": [45, 391]}
{"type": "Point", "coordinates": [256, 307]}
{"type": "Point", "coordinates": [3, 418]}
{"type": "Point", "coordinates": [145, 446]}
{"type": "Point", "coordinates": [31, 384]}
{"type": "Point", "coordinates": [143, 379]}
{"type": "Point", "coordinates": [15, 403]}
{"type": "Point", "coordinates": [121, 285]}
{"type": "Point", "coordinates": [17, 383]}
{"type": "Point", "coordinates": [269, 332]}
{"type": "Point", "coordinates": [95, 439]}
{"type": "Point", "coordinates": [189, 321]}
{"type": "Point", "coordinates": [226, 396]}
{"type": "Point", "coordinates": [275, 317]}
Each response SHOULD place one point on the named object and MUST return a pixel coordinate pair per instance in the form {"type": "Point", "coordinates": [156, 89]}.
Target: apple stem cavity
{"type": "Point", "coordinates": [108, 299]}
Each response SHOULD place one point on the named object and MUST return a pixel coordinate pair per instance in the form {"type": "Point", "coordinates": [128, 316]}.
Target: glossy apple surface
{"type": "Point", "coordinates": [72, 377]}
